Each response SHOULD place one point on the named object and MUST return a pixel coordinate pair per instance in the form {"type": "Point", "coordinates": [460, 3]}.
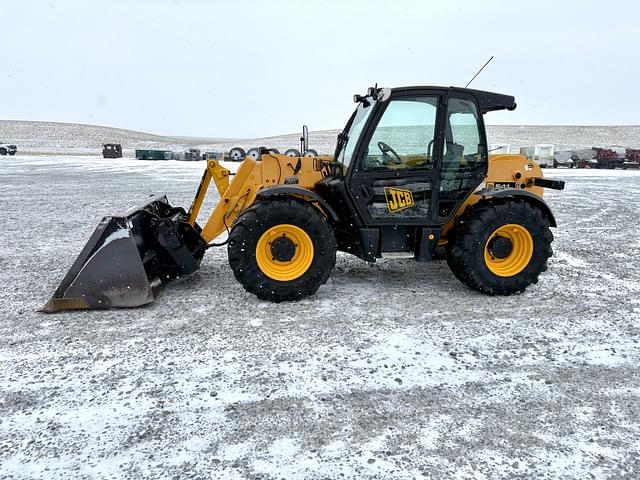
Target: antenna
{"type": "Point", "coordinates": [474, 77]}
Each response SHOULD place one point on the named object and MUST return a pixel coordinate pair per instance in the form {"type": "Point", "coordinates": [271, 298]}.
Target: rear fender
{"type": "Point", "coordinates": [523, 194]}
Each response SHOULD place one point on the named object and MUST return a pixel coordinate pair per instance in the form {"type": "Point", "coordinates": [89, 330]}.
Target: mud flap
{"type": "Point", "coordinates": [129, 257]}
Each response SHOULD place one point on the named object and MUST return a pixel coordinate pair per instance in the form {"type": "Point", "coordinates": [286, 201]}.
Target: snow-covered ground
{"type": "Point", "coordinates": [393, 370]}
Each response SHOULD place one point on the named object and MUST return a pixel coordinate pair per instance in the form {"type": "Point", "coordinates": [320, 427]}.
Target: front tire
{"type": "Point", "coordinates": [500, 248]}
{"type": "Point", "coordinates": [3, 151]}
{"type": "Point", "coordinates": [282, 249]}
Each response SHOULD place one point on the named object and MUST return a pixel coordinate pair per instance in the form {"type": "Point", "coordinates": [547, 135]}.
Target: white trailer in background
{"type": "Point", "coordinates": [528, 152]}
{"type": "Point", "coordinates": [544, 155]}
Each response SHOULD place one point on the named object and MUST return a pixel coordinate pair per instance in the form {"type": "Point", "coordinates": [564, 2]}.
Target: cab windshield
{"type": "Point", "coordinates": [349, 137]}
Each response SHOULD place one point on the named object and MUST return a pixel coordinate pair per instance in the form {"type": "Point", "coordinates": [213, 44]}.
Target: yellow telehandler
{"type": "Point", "coordinates": [411, 176]}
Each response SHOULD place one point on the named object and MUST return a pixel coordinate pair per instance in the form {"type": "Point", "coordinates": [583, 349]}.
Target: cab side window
{"type": "Point", "coordinates": [462, 135]}
{"type": "Point", "coordinates": [464, 153]}
{"type": "Point", "coordinates": [404, 136]}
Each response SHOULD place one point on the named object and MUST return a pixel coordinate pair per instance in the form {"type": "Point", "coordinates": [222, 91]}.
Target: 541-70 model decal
{"type": "Point", "coordinates": [398, 199]}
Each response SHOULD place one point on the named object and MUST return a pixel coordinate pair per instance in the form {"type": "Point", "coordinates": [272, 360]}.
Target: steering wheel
{"type": "Point", "coordinates": [386, 149]}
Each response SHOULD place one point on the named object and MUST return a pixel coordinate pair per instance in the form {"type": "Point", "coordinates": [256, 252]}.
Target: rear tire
{"type": "Point", "coordinates": [304, 235]}
{"type": "Point", "coordinates": [3, 151]}
{"type": "Point", "coordinates": [523, 255]}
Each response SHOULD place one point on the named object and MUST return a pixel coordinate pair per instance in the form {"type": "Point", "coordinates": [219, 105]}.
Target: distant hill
{"type": "Point", "coordinates": [52, 137]}
{"type": "Point", "coordinates": [77, 139]}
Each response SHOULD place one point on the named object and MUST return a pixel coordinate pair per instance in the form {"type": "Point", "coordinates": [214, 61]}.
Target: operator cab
{"type": "Point", "coordinates": [406, 160]}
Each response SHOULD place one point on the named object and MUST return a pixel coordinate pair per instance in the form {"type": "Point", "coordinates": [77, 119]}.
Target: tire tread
{"type": "Point", "coordinates": [465, 254]}
{"type": "Point", "coordinates": [261, 216]}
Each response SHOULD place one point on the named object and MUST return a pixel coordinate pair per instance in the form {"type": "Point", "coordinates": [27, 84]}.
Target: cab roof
{"type": "Point", "coordinates": [488, 101]}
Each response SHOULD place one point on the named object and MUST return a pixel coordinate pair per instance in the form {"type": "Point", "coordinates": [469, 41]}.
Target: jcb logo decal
{"type": "Point", "coordinates": [398, 199]}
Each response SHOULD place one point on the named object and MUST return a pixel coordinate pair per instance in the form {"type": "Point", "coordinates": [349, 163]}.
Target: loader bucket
{"type": "Point", "coordinates": [129, 257]}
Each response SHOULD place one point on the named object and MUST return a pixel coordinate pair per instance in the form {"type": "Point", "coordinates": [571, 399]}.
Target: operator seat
{"type": "Point", "coordinates": [451, 162]}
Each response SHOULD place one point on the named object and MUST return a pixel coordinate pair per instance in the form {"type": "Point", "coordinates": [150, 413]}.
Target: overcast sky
{"type": "Point", "coordinates": [249, 68]}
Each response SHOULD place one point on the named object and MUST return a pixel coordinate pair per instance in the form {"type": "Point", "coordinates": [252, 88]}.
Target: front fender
{"type": "Point", "coordinates": [289, 190]}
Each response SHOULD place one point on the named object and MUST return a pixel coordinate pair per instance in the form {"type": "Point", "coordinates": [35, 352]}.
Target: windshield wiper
{"type": "Point", "coordinates": [343, 138]}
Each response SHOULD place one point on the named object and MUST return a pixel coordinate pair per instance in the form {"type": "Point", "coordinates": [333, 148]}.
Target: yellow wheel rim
{"type": "Point", "coordinates": [297, 245]}
{"type": "Point", "coordinates": [519, 257]}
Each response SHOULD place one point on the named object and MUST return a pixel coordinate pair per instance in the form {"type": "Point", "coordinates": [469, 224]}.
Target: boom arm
{"type": "Point", "coordinates": [235, 196]}
{"type": "Point", "coordinates": [240, 193]}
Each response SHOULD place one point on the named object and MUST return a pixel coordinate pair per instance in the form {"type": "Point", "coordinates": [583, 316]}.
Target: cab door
{"type": "Point", "coordinates": [396, 164]}
{"type": "Point", "coordinates": [465, 160]}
